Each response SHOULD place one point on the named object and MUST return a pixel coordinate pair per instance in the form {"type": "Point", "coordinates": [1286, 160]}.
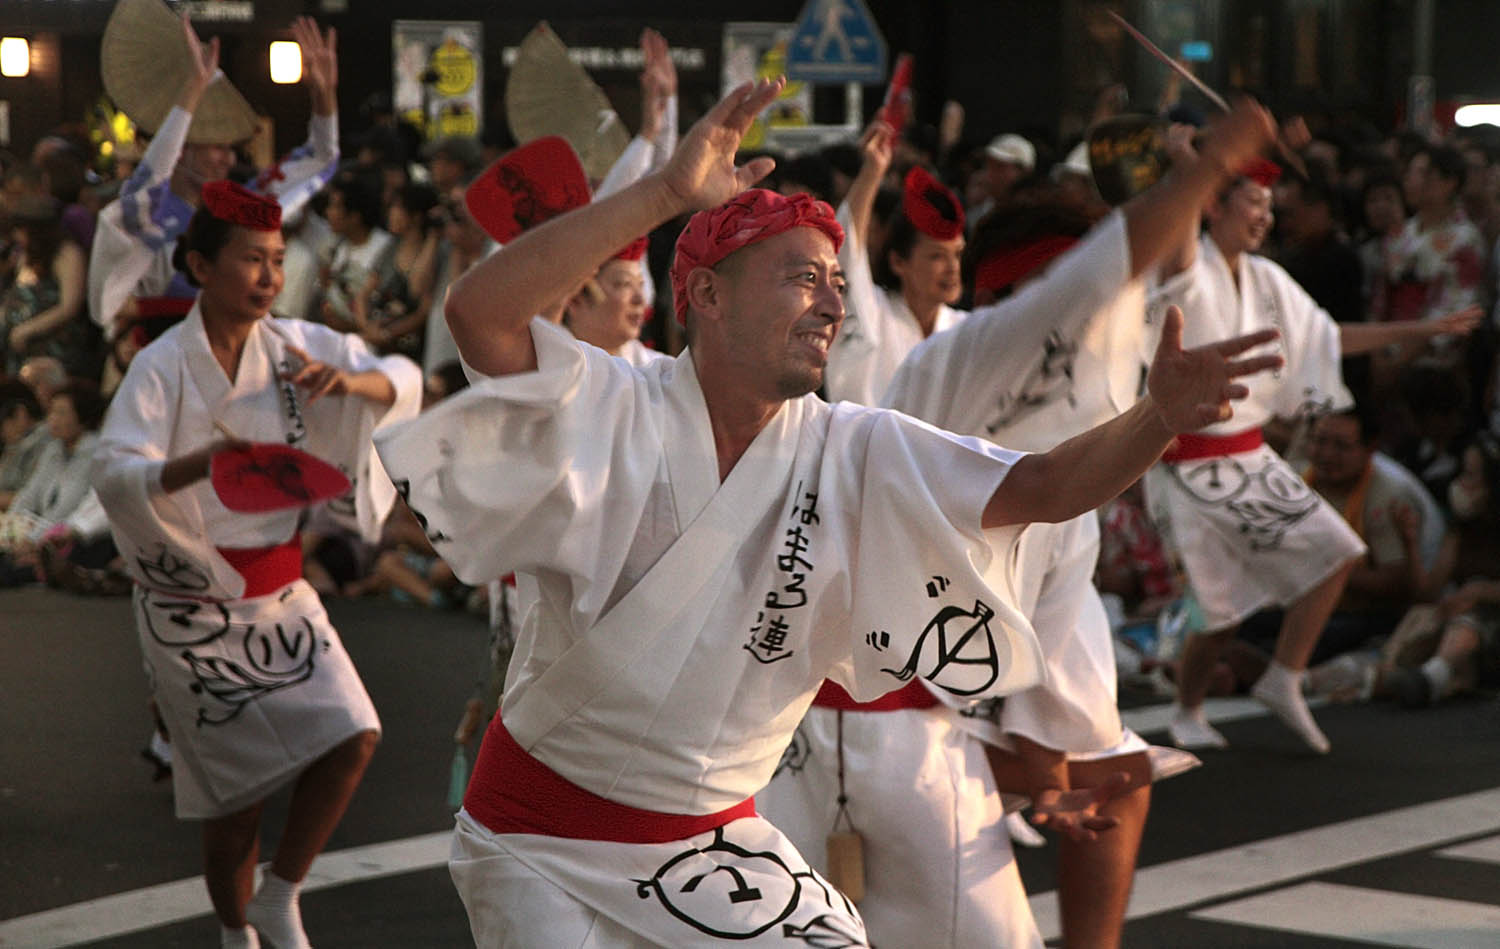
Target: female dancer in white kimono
{"type": "Point", "coordinates": [249, 675]}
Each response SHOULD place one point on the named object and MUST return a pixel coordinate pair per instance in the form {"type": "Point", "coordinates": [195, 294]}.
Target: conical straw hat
{"type": "Point", "coordinates": [549, 94]}
{"type": "Point", "coordinates": [145, 63]}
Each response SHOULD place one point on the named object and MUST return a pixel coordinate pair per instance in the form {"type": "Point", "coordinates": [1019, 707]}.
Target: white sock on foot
{"type": "Point", "coordinates": [1189, 728]}
{"type": "Point", "coordinates": [1280, 690]}
{"type": "Point", "coordinates": [242, 938]}
{"type": "Point", "coordinates": [1439, 675]}
{"type": "Point", "coordinates": [274, 912]}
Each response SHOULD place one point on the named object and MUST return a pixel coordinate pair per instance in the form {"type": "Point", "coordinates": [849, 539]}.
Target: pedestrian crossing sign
{"type": "Point", "coordinates": [836, 41]}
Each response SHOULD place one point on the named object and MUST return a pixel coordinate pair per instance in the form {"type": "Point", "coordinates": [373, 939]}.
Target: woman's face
{"type": "Point", "coordinates": [616, 317]}
{"type": "Point", "coordinates": [1383, 209]}
{"type": "Point", "coordinates": [398, 219]}
{"type": "Point", "coordinates": [933, 271]}
{"type": "Point", "coordinates": [245, 279]}
{"type": "Point", "coordinates": [62, 420]}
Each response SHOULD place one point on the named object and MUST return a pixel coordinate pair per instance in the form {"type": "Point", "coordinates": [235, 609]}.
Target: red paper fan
{"type": "Point", "coordinates": [896, 109]}
{"type": "Point", "coordinates": [527, 186]}
{"type": "Point", "coordinates": [272, 477]}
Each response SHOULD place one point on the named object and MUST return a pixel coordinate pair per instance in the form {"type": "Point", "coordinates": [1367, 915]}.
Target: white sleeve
{"type": "Point", "coordinates": [517, 472]}
{"type": "Point", "coordinates": [306, 169]}
{"type": "Point", "coordinates": [963, 377]}
{"type": "Point", "coordinates": [851, 360]}
{"type": "Point", "coordinates": [632, 165]}
{"type": "Point", "coordinates": [1312, 379]}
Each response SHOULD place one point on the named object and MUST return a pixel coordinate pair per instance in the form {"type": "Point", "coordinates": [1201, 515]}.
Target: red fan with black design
{"type": "Point", "coordinates": [528, 185]}
{"type": "Point", "coordinates": [267, 476]}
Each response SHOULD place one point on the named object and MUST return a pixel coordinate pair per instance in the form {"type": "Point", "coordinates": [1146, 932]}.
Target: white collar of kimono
{"type": "Point", "coordinates": [264, 350]}
{"type": "Point", "coordinates": [691, 457]}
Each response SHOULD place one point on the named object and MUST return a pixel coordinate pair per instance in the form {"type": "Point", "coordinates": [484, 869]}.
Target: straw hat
{"type": "Point", "coordinates": [549, 94]}
{"type": "Point", "coordinates": [145, 64]}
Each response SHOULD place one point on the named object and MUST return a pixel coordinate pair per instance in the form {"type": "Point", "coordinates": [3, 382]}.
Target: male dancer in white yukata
{"type": "Point", "coordinates": [1062, 354]}
{"type": "Point", "coordinates": [707, 543]}
{"type": "Point", "coordinates": [245, 668]}
{"type": "Point", "coordinates": [1248, 531]}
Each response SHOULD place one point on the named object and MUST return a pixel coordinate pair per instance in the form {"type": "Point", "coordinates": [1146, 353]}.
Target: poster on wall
{"type": "Point", "coordinates": [439, 76]}
{"type": "Point", "coordinates": [758, 51]}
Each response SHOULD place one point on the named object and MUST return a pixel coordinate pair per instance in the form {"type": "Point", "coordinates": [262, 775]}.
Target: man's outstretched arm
{"type": "Point", "coordinates": [489, 307]}
{"type": "Point", "coordinates": [1186, 390]}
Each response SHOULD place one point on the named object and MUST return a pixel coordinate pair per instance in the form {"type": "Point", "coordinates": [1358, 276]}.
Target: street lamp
{"type": "Point", "coordinates": [286, 62]}
{"type": "Point", "coordinates": [15, 56]}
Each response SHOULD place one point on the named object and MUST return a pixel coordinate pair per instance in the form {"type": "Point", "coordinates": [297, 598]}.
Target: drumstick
{"type": "Point", "coordinates": [224, 430]}
{"type": "Point", "coordinates": [1291, 157]}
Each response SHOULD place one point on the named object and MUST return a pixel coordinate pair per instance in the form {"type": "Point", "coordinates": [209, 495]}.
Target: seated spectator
{"type": "Point", "coordinates": [57, 503]}
{"type": "Point", "coordinates": [42, 310]}
{"type": "Point", "coordinates": [397, 297]}
{"type": "Point", "coordinates": [23, 437]}
{"type": "Point", "coordinates": [353, 214]}
{"type": "Point", "coordinates": [44, 375]}
{"type": "Point", "coordinates": [1455, 648]}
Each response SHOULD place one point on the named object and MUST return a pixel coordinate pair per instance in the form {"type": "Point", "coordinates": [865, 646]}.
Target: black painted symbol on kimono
{"type": "Point", "coordinates": [1214, 481]}
{"type": "Point", "coordinates": [725, 890]}
{"type": "Point", "coordinates": [828, 932]}
{"type": "Point", "coordinates": [957, 651]}
{"type": "Point", "coordinates": [794, 759]}
{"type": "Point", "coordinates": [1266, 515]}
{"type": "Point", "coordinates": [273, 656]}
{"type": "Point", "coordinates": [878, 639]}
{"type": "Point", "coordinates": [936, 586]}
{"type": "Point", "coordinates": [184, 622]}
{"type": "Point", "coordinates": [1048, 381]}
{"type": "Point", "coordinates": [170, 571]}
{"type": "Point", "coordinates": [291, 404]}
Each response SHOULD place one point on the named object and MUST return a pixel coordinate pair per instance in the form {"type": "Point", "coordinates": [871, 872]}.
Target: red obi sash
{"type": "Point", "coordinates": [911, 695]}
{"type": "Point", "coordinates": [1191, 447]}
{"type": "Point", "coordinates": [266, 569]}
{"type": "Point", "coordinates": [511, 792]}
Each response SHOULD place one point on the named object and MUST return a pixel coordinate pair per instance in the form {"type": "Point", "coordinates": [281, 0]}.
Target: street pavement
{"type": "Point", "coordinates": [1391, 840]}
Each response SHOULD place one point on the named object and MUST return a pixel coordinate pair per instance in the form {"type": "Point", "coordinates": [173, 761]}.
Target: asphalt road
{"type": "Point", "coordinates": [1393, 839]}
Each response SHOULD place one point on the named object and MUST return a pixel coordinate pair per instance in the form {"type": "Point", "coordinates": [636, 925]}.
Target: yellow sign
{"type": "Point", "coordinates": [455, 69]}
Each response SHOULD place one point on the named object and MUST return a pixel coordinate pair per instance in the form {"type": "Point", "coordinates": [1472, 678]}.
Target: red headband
{"type": "Point", "coordinates": [635, 250]}
{"type": "Point", "coordinates": [528, 185]}
{"type": "Point", "coordinates": [1007, 265]}
{"type": "Point", "coordinates": [1261, 171]}
{"type": "Point", "coordinates": [230, 202]}
{"type": "Point", "coordinates": [747, 218]}
{"type": "Point", "coordinates": [931, 207]}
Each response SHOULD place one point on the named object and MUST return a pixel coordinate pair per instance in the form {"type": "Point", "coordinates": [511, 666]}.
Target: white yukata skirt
{"type": "Point", "coordinates": [252, 691]}
{"type": "Point", "coordinates": [742, 885]}
{"type": "Point", "coordinates": [1248, 531]}
{"type": "Point", "coordinates": [939, 869]}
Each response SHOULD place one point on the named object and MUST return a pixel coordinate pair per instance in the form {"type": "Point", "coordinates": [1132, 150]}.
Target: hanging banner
{"type": "Point", "coordinates": [439, 76]}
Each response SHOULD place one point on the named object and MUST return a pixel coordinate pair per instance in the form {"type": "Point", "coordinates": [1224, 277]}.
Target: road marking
{"type": "Point", "coordinates": [181, 900]}
{"type": "Point", "coordinates": [1485, 851]}
{"type": "Point", "coordinates": [1381, 917]}
{"type": "Point", "coordinates": [1212, 876]}
{"type": "Point", "coordinates": [1154, 718]}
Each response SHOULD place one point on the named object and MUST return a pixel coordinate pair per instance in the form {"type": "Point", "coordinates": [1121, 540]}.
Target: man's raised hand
{"type": "Point", "coordinates": [1192, 388]}
{"type": "Point", "coordinates": [702, 172]}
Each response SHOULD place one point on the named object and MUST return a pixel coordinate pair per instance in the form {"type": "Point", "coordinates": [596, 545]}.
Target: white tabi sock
{"type": "Point", "coordinates": [1189, 728]}
{"type": "Point", "coordinates": [274, 912]}
{"type": "Point", "coordinates": [1439, 675]}
{"type": "Point", "coordinates": [1280, 690]}
{"type": "Point", "coordinates": [243, 938]}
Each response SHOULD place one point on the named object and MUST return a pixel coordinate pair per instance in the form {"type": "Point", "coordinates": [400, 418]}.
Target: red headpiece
{"type": "Point", "coordinates": [745, 219]}
{"type": "Point", "coordinates": [528, 185]}
{"type": "Point", "coordinates": [1007, 265]}
{"type": "Point", "coordinates": [931, 207]}
{"type": "Point", "coordinates": [236, 204]}
{"type": "Point", "coordinates": [634, 250]}
{"type": "Point", "coordinates": [1262, 171]}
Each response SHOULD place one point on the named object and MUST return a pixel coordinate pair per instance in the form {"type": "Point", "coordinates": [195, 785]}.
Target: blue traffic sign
{"type": "Point", "coordinates": [836, 41]}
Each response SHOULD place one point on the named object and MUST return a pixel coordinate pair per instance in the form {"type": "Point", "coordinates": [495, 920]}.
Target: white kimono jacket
{"type": "Point", "coordinates": [251, 690]}
{"type": "Point", "coordinates": [1061, 356]}
{"type": "Point", "coordinates": [879, 329]}
{"type": "Point", "coordinates": [1247, 529]}
{"type": "Point", "coordinates": [682, 626]}
{"type": "Point", "coordinates": [137, 232]}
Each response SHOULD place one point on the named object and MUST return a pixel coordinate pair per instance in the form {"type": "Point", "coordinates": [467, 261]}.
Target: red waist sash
{"type": "Point", "coordinates": [911, 695]}
{"type": "Point", "coordinates": [1192, 447]}
{"type": "Point", "coordinates": [266, 569]}
{"type": "Point", "coordinates": [511, 792]}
